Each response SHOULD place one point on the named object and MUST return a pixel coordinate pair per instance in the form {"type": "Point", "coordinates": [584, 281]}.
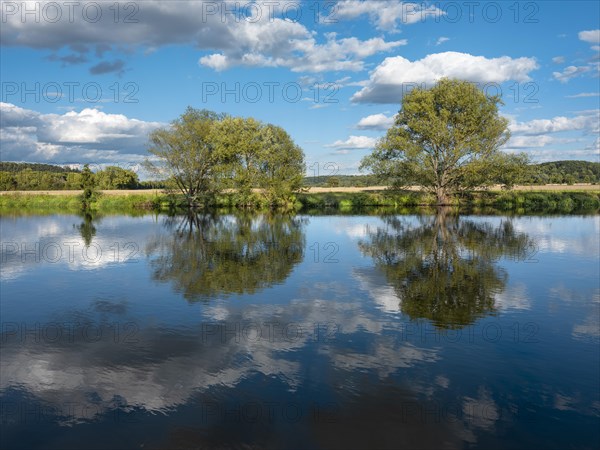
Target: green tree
{"type": "Point", "coordinates": [443, 139]}
{"type": "Point", "coordinates": [88, 184]}
{"type": "Point", "coordinates": [113, 177]}
{"type": "Point", "coordinates": [239, 147]}
{"type": "Point", "coordinates": [282, 166]}
{"type": "Point", "coordinates": [333, 182]}
{"type": "Point", "coordinates": [7, 182]}
{"type": "Point", "coordinates": [260, 162]}
{"type": "Point", "coordinates": [73, 181]}
{"type": "Point", "coordinates": [184, 154]}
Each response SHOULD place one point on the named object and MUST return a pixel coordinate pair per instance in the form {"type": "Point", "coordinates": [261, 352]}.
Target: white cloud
{"type": "Point", "coordinates": [293, 46]}
{"type": "Point", "coordinates": [570, 72]}
{"type": "Point", "coordinates": [394, 75]}
{"type": "Point", "coordinates": [584, 95]}
{"type": "Point", "coordinates": [265, 40]}
{"type": "Point", "coordinates": [354, 142]}
{"type": "Point", "coordinates": [558, 60]}
{"type": "Point", "coordinates": [386, 14]}
{"type": "Point", "coordinates": [375, 122]}
{"type": "Point", "coordinates": [216, 61]}
{"type": "Point", "coordinates": [521, 142]}
{"type": "Point", "coordinates": [86, 136]}
{"type": "Point", "coordinates": [590, 36]}
{"type": "Point", "coordinates": [536, 134]}
{"type": "Point", "coordinates": [441, 40]}
{"type": "Point", "coordinates": [588, 123]}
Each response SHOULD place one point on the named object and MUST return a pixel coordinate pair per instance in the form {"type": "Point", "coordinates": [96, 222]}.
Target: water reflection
{"type": "Point", "coordinates": [87, 228]}
{"type": "Point", "coordinates": [320, 357]}
{"type": "Point", "coordinates": [206, 255]}
{"type": "Point", "coordinates": [445, 268]}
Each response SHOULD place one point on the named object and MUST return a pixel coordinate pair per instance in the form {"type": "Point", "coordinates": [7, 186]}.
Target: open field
{"type": "Point", "coordinates": [318, 190]}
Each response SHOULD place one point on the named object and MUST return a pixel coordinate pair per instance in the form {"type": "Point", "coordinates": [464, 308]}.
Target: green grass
{"type": "Point", "coordinates": [519, 202]}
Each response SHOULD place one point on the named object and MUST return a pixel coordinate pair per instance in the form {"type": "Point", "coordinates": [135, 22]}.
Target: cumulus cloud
{"type": "Point", "coordinates": [149, 23]}
{"type": "Point", "coordinates": [587, 122]}
{"type": "Point", "coordinates": [387, 15]}
{"type": "Point", "coordinates": [570, 72]}
{"type": "Point", "coordinates": [375, 122]}
{"type": "Point", "coordinates": [590, 36]}
{"type": "Point", "coordinates": [522, 142]}
{"type": "Point", "coordinates": [558, 59]}
{"type": "Point", "coordinates": [536, 137]}
{"type": "Point", "coordinates": [395, 75]}
{"type": "Point", "coordinates": [86, 136]}
{"type": "Point", "coordinates": [265, 39]}
{"type": "Point", "coordinates": [354, 143]}
{"type": "Point", "coordinates": [294, 47]}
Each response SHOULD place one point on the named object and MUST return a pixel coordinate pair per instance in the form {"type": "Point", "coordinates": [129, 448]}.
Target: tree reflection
{"type": "Point", "coordinates": [205, 255]}
{"type": "Point", "coordinates": [87, 228]}
{"type": "Point", "coordinates": [444, 268]}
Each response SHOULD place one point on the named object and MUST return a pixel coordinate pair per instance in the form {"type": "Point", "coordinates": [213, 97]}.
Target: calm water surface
{"type": "Point", "coordinates": [345, 332]}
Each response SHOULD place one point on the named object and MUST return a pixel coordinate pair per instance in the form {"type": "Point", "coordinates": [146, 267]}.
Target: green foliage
{"type": "Point", "coordinates": [204, 153]}
{"type": "Point", "coordinates": [259, 162]}
{"type": "Point", "coordinates": [570, 172]}
{"type": "Point", "coordinates": [281, 166]}
{"type": "Point", "coordinates": [23, 177]}
{"type": "Point", "coordinates": [88, 185]}
{"type": "Point", "coordinates": [40, 203]}
{"type": "Point", "coordinates": [443, 139]}
{"type": "Point", "coordinates": [520, 202]}
{"type": "Point", "coordinates": [238, 145]}
{"type": "Point", "coordinates": [35, 167]}
{"type": "Point", "coordinates": [184, 154]}
{"type": "Point", "coordinates": [333, 182]}
{"type": "Point", "coordinates": [555, 172]}
{"type": "Point", "coordinates": [113, 177]}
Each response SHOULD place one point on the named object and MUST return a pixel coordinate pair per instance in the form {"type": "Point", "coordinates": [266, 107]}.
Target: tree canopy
{"type": "Point", "coordinates": [446, 139]}
{"type": "Point", "coordinates": [203, 153]}
{"type": "Point", "coordinates": [184, 153]}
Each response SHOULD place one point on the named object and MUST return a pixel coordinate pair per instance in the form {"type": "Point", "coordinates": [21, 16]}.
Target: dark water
{"type": "Point", "coordinates": [300, 332]}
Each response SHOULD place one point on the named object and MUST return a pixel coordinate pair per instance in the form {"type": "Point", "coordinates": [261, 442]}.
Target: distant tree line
{"type": "Point", "coordinates": [36, 167]}
{"type": "Point", "coordinates": [23, 177]}
{"type": "Point", "coordinates": [556, 172]}
{"type": "Point", "coordinates": [568, 172]}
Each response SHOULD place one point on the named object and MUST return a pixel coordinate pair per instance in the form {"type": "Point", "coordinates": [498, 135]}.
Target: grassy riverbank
{"type": "Point", "coordinates": [518, 201]}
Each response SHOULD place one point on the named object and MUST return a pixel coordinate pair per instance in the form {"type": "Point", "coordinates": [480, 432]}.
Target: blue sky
{"type": "Point", "coordinates": [85, 82]}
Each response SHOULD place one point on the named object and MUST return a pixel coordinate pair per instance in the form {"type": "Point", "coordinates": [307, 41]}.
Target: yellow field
{"type": "Point", "coordinates": [316, 190]}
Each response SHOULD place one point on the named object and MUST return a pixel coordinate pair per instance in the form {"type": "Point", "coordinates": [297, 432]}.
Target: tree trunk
{"type": "Point", "coordinates": [442, 196]}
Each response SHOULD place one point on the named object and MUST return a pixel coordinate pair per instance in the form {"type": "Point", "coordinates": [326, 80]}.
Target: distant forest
{"type": "Point", "coordinates": [556, 172]}
{"type": "Point", "coordinates": [37, 176]}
